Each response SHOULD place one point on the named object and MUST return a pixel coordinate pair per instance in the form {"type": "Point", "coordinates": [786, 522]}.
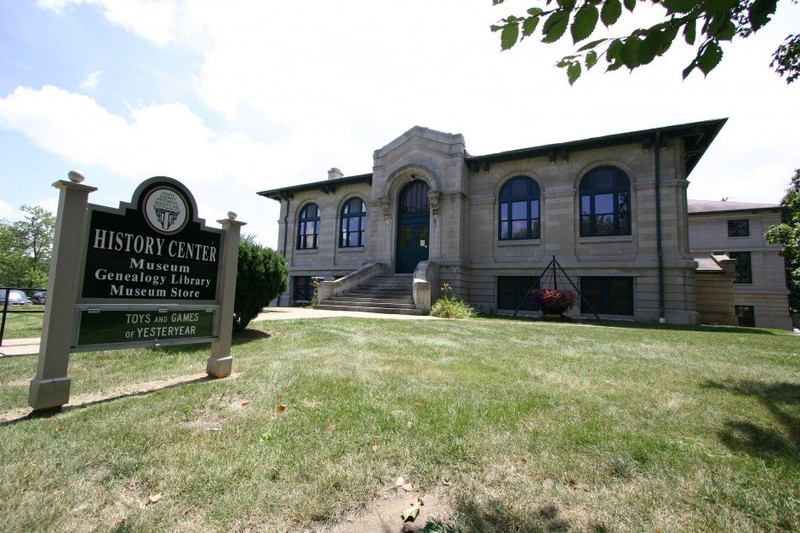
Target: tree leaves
{"type": "Point", "coordinates": [584, 23]}
{"type": "Point", "coordinates": [555, 26]}
{"type": "Point", "coordinates": [611, 12]}
{"type": "Point", "coordinates": [712, 21]}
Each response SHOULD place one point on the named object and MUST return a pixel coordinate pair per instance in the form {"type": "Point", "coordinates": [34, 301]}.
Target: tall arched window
{"type": "Point", "coordinates": [354, 224]}
{"type": "Point", "coordinates": [308, 227]}
{"type": "Point", "coordinates": [519, 209]}
{"type": "Point", "coordinates": [605, 202]}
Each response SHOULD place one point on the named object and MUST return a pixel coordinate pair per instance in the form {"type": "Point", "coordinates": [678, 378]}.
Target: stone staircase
{"type": "Point", "coordinates": [379, 294]}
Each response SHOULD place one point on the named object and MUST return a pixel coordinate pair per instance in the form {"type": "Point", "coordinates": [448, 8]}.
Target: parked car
{"type": "Point", "coordinates": [15, 297]}
{"type": "Point", "coordinates": [39, 297]}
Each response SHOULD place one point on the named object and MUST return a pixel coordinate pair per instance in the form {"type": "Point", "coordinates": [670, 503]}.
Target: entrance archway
{"type": "Point", "coordinates": [413, 226]}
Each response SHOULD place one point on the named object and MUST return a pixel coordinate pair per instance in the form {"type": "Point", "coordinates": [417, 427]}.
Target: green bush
{"type": "Point", "coordinates": [261, 276]}
{"type": "Point", "coordinates": [448, 306]}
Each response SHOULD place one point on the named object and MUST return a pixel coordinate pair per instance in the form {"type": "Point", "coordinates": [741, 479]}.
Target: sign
{"type": "Point", "coordinates": [149, 273]}
{"type": "Point", "coordinates": [103, 329]}
{"type": "Point", "coordinates": [153, 249]}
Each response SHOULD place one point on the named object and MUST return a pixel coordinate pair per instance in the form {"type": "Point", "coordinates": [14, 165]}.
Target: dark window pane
{"type": "Point", "coordinates": [504, 230]}
{"type": "Point", "coordinates": [604, 203]}
{"type": "Point", "coordinates": [607, 295]}
{"type": "Point", "coordinates": [739, 228]}
{"type": "Point", "coordinates": [519, 229]}
{"type": "Point", "coordinates": [519, 210]}
{"type": "Point", "coordinates": [513, 290]}
{"type": "Point", "coordinates": [744, 267]}
{"type": "Point", "coordinates": [586, 205]}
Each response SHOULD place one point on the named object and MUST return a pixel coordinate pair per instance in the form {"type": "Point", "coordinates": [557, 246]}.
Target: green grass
{"type": "Point", "coordinates": [522, 426]}
{"type": "Point", "coordinates": [23, 325]}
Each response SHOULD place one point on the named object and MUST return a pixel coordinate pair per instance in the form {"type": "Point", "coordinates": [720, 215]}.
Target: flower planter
{"type": "Point", "coordinates": [554, 303]}
{"type": "Point", "coordinates": [556, 309]}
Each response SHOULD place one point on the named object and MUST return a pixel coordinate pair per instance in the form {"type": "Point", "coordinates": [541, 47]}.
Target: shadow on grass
{"type": "Point", "coordinates": [637, 325]}
{"type": "Point", "coordinates": [782, 400]}
{"type": "Point", "coordinates": [49, 413]}
{"type": "Point", "coordinates": [495, 517]}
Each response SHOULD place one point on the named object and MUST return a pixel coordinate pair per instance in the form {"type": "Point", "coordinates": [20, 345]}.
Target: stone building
{"type": "Point", "coordinates": [736, 229]}
{"type": "Point", "coordinates": [611, 210]}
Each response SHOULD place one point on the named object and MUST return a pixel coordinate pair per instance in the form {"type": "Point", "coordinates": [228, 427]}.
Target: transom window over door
{"type": "Point", "coordinates": [354, 224]}
{"type": "Point", "coordinates": [605, 202]}
{"type": "Point", "coordinates": [308, 227]}
{"type": "Point", "coordinates": [414, 198]}
{"type": "Point", "coordinates": [519, 209]}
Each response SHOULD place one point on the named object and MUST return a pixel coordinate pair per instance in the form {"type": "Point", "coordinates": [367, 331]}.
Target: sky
{"type": "Point", "coordinates": [235, 97]}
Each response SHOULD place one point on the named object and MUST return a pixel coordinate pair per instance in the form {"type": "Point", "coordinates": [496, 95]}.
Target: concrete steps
{"type": "Point", "coordinates": [380, 294]}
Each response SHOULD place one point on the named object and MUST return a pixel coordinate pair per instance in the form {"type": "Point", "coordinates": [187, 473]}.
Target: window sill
{"type": "Point", "coordinates": [519, 242]}
{"type": "Point", "coordinates": [350, 249]}
{"type": "Point", "coordinates": [605, 238]}
{"type": "Point", "coordinates": [306, 251]}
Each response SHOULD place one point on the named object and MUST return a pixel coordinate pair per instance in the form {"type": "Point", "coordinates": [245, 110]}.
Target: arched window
{"type": "Point", "coordinates": [414, 198]}
{"type": "Point", "coordinates": [308, 227]}
{"type": "Point", "coordinates": [519, 209]}
{"type": "Point", "coordinates": [605, 202]}
{"type": "Point", "coordinates": [354, 224]}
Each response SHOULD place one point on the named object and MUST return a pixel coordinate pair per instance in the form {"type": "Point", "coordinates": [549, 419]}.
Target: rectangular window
{"type": "Point", "coordinates": [744, 267]}
{"type": "Point", "coordinates": [515, 290]}
{"type": "Point", "coordinates": [739, 228]}
{"type": "Point", "coordinates": [746, 315]}
{"type": "Point", "coordinates": [302, 288]}
{"type": "Point", "coordinates": [607, 295]}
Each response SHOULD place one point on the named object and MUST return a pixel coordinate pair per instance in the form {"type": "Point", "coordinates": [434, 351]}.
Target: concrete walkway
{"type": "Point", "coordinates": [286, 313]}
{"type": "Point", "coordinates": [14, 347]}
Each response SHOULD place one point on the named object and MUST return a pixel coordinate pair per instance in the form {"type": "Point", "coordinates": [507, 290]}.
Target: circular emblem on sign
{"type": "Point", "coordinates": [165, 210]}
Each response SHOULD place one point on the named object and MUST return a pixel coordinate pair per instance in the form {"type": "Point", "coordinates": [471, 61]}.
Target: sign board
{"type": "Point", "coordinates": [152, 249]}
{"type": "Point", "coordinates": [131, 326]}
{"type": "Point", "coordinates": [149, 273]}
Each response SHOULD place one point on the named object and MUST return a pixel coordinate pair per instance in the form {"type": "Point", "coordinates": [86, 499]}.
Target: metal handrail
{"type": "Point", "coordinates": [6, 310]}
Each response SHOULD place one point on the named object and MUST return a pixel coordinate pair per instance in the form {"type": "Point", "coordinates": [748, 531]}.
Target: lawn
{"type": "Point", "coordinates": [516, 425]}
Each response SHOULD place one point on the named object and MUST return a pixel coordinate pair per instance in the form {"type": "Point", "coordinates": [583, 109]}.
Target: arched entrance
{"type": "Point", "coordinates": [413, 226]}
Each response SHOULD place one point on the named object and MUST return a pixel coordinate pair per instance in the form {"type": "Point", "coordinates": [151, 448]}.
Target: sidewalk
{"type": "Point", "coordinates": [12, 347]}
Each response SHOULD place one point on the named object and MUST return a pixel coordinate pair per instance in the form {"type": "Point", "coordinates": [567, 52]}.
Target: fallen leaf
{"type": "Point", "coordinates": [245, 403]}
{"type": "Point", "coordinates": [281, 407]}
{"type": "Point", "coordinates": [374, 447]}
{"type": "Point", "coordinates": [446, 482]}
{"type": "Point", "coordinates": [409, 487]}
{"type": "Point", "coordinates": [410, 514]}
{"type": "Point", "coordinates": [337, 485]}
{"type": "Point", "coordinates": [154, 498]}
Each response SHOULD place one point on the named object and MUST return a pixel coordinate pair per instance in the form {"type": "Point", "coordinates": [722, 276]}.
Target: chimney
{"type": "Point", "coordinates": [335, 174]}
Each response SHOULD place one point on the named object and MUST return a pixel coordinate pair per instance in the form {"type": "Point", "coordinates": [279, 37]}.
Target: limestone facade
{"type": "Point", "coordinates": [646, 273]}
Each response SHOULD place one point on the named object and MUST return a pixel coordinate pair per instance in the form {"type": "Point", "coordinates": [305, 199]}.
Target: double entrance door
{"type": "Point", "coordinates": [413, 227]}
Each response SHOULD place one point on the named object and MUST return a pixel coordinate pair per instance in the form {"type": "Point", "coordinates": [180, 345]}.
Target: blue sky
{"type": "Point", "coordinates": [240, 96]}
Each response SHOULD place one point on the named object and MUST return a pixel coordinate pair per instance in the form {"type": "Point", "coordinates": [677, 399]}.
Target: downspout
{"type": "Point", "coordinates": [659, 247]}
{"type": "Point", "coordinates": [285, 236]}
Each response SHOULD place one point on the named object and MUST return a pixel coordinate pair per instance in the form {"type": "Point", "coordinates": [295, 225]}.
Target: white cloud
{"type": "Point", "coordinates": [319, 84]}
{"type": "Point", "coordinates": [91, 80]}
{"type": "Point", "coordinates": [152, 20]}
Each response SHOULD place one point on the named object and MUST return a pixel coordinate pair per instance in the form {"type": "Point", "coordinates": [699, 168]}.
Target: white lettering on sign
{"type": "Point", "coordinates": [116, 241]}
{"type": "Point", "coordinates": [160, 332]}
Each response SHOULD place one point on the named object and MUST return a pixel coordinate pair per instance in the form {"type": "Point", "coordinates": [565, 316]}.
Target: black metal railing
{"type": "Point", "coordinates": [10, 307]}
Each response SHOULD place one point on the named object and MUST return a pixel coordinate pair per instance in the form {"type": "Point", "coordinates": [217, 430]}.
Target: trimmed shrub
{"type": "Point", "coordinates": [261, 276]}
